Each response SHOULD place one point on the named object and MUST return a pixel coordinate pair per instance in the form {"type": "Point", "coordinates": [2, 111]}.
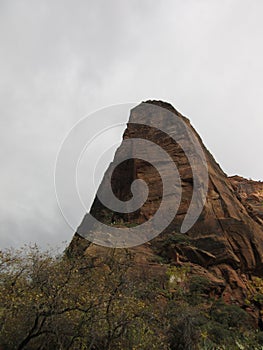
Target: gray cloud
{"type": "Point", "coordinates": [61, 60]}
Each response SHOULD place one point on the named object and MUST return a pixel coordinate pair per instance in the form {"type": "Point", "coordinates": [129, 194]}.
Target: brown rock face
{"type": "Point", "coordinates": [250, 194]}
{"type": "Point", "coordinates": [227, 238]}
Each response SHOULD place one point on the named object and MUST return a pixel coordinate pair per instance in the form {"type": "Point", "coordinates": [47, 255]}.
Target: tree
{"type": "Point", "coordinates": [53, 302]}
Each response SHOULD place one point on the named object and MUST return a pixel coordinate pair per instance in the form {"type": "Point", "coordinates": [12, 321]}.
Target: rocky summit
{"type": "Point", "coordinates": [225, 244]}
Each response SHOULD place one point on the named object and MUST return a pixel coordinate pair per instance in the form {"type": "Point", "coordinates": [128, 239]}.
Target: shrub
{"type": "Point", "coordinates": [231, 316]}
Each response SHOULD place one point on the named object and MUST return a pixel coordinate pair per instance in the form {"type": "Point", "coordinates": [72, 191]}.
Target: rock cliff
{"type": "Point", "coordinates": [226, 242]}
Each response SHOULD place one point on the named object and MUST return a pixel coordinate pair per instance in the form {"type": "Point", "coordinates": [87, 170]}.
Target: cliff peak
{"type": "Point", "coordinates": [225, 242]}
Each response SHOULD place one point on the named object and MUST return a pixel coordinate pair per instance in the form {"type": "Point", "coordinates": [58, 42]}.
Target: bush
{"type": "Point", "coordinates": [231, 316]}
{"type": "Point", "coordinates": [199, 287]}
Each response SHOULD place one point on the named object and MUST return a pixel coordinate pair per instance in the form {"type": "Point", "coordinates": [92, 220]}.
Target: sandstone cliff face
{"type": "Point", "coordinates": [250, 194]}
{"type": "Point", "coordinates": [226, 242]}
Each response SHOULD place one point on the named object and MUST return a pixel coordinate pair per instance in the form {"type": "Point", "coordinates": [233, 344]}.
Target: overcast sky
{"type": "Point", "coordinates": [62, 60]}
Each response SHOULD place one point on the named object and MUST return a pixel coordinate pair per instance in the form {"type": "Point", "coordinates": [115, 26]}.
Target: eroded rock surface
{"type": "Point", "coordinates": [250, 193]}
{"type": "Point", "coordinates": [226, 242]}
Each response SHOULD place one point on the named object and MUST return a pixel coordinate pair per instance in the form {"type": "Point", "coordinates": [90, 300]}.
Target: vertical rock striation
{"type": "Point", "coordinates": [226, 241]}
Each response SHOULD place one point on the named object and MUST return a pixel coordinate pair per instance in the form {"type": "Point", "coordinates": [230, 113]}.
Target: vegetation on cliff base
{"type": "Point", "coordinates": [49, 302]}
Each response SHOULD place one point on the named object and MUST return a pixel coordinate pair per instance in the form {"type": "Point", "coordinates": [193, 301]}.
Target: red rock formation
{"type": "Point", "coordinates": [226, 241]}
{"type": "Point", "coordinates": [250, 194]}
